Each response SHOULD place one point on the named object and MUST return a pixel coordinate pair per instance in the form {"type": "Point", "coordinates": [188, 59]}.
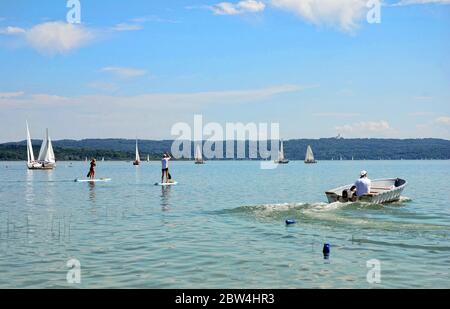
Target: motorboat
{"type": "Point", "coordinates": [381, 191]}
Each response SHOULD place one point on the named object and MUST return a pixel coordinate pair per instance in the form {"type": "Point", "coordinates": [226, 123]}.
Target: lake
{"type": "Point", "coordinates": [222, 226]}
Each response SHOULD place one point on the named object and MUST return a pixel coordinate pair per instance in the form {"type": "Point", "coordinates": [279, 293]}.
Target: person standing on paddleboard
{"type": "Point", "coordinates": [165, 168]}
{"type": "Point", "coordinates": [91, 173]}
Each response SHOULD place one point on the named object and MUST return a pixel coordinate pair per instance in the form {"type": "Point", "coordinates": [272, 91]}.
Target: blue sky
{"type": "Point", "coordinates": [137, 67]}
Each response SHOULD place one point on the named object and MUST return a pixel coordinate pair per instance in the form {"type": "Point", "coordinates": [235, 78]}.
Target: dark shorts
{"type": "Point", "coordinates": [165, 169]}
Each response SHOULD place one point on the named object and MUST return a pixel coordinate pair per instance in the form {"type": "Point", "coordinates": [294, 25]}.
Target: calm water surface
{"type": "Point", "coordinates": [222, 226]}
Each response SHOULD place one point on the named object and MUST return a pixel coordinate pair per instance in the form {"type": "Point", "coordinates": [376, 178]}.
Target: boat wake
{"type": "Point", "coordinates": [298, 211]}
{"type": "Point", "coordinates": [358, 215]}
{"type": "Point", "coordinates": [273, 209]}
{"type": "Point", "coordinates": [401, 202]}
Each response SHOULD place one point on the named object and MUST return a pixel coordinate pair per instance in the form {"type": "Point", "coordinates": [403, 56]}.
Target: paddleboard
{"type": "Point", "coordinates": [93, 180]}
{"type": "Point", "coordinates": [166, 184]}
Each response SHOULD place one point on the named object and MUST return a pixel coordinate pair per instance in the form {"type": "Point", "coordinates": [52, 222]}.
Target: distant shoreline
{"type": "Point", "coordinates": [324, 149]}
{"type": "Point", "coordinates": [231, 160]}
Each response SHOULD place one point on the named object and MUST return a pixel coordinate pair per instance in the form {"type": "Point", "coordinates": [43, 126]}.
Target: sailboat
{"type": "Point", "coordinates": [309, 159]}
{"type": "Point", "coordinates": [199, 156]}
{"type": "Point", "coordinates": [137, 160]}
{"type": "Point", "coordinates": [281, 158]}
{"type": "Point", "coordinates": [31, 162]}
{"type": "Point", "coordinates": [103, 159]}
{"type": "Point", "coordinates": [46, 159]}
{"type": "Point", "coordinates": [46, 154]}
{"type": "Point", "coordinates": [148, 158]}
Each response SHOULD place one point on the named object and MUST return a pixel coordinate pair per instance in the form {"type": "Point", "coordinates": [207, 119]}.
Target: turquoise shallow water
{"type": "Point", "coordinates": [222, 226]}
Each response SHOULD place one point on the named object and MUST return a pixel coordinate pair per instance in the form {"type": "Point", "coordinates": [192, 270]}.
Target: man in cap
{"type": "Point", "coordinates": [363, 184]}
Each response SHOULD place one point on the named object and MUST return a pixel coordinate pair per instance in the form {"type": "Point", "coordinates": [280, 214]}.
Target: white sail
{"type": "Point", "coordinates": [50, 153]}
{"type": "Point", "coordinates": [46, 153]}
{"type": "Point", "coordinates": [148, 158]}
{"type": "Point", "coordinates": [281, 158]}
{"type": "Point", "coordinates": [30, 153]}
{"type": "Point", "coordinates": [309, 155]}
{"type": "Point", "coordinates": [43, 150]}
{"type": "Point", "coordinates": [198, 154]}
{"type": "Point", "coordinates": [138, 158]}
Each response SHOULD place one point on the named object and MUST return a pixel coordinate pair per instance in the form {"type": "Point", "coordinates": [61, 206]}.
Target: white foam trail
{"type": "Point", "coordinates": [326, 207]}
{"type": "Point", "coordinates": [279, 207]}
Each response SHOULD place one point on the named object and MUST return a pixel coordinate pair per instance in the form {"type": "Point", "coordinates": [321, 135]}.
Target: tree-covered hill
{"type": "Point", "coordinates": [324, 149]}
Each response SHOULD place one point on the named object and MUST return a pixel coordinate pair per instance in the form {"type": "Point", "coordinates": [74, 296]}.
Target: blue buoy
{"type": "Point", "coordinates": [326, 251]}
{"type": "Point", "coordinates": [290, 221]}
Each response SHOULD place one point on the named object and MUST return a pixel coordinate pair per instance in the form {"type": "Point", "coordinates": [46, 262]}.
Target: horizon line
{"type": "Point", "coordinates": [235, 140]}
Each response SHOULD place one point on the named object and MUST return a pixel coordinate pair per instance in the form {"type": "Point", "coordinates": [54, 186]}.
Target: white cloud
{"type": "Point", "coordinates": [337, 115]}
{"type": "Point", "coordinates": [155, 19]}
{"type": "Point", "coordinates": [421, 114]}
{"type": "Point", "coordinates": [363, 128]}
{"type": "Point", "coordinates": [232, 96]}
{"type": "Point", "coordinates": [52, 37]}
{"type": "Point", "coordinates": [155, 101]}
{"type": "Point", "coordinates": [143, 19]}
{"type": "Point", "coordinates": [241, 7]}
{"type": "Point", "coordinates": [9, 95]}
{"type": "Point", "coordinates": [225, 8]}
{"type": "Point", "coordinates": [344, 14]}
{"type": "Point", "coordinates": [58, 37]}
{"type": "Point", "coordinates": [23, 100]}
{"type": "Point", "coordinates": [12, 30]}
{"type": "Point", "coordinates": [127, 27]}
{"type": "Point", "coordinates": [137, 23]}
{"type": "Point", "coordinates": [48, 98]}
{"type": "Point", "coordinates": [122, 116]}
{"type": "Point", "coordinates": [251, 6]}
{"type": "Point", "coordinates": [443, 120]}
{"type": "Point", "coordinates": [412, 2]}
{"type": "Point", "coordinates": [124, 72]}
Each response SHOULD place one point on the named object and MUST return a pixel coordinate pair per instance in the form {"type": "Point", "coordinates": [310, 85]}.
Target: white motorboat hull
{"type": "Point", "coordinates": [383, 191]}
